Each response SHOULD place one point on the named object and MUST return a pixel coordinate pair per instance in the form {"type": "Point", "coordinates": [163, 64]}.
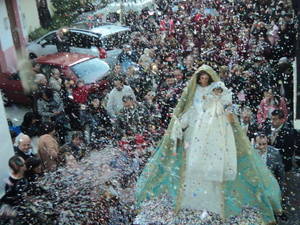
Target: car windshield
{"type": "Point", "coordinates": [91, 70]}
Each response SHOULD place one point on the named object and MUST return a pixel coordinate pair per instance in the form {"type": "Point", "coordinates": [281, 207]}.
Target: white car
{"type": "Point", "coordinates": [104, 41]}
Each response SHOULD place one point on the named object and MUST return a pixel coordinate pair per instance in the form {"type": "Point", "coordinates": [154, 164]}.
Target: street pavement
{"type": "Point", "coordinates": [293, 199]}
{"type": "Point", "coordinates": [16, 113]}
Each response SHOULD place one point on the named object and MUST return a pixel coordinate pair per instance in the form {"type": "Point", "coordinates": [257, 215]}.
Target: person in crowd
{"type": "Point", "coordinates": [98, 121]}
{"type": "Point", "coordinates": [152, 107]}
{"type": "Point", "coordinates": [31, 124]}
{"type": "Point", "coordinates": [147, 58]}
{"type": "Point", "coordinates": [40, 80]}
{"type": "Point", "coordinates": [63, 40]}
{"type": "Point", "coordinates": [117, 71]}
{"type": "Point", "coordinates": [269, 103]}
{"type": "Point", "coordinates": [7, 215]}
{"type": "Point", "coordinates": [36, 67]}
{"type": "Point", "coordinates": [49, 105]}
{"type": "Point", "coordinates": [70, 106]}
{"type": "Point", "coordinates": [127, 57]}
{"type": "Point", "coordinates": [17, 184]}
{"type": "Point", "coordinates": [81, 92]}
{"type": "Point", "coordinates": [271, 157]}
{"type": "Point", "coordinates": [237, 84]}
{"type": "Point", "coordinates": [284, 76]}
{"type": "Point", "coordinates": [153, 76]}
{"type": "Point", "coordinates": [180, 81]}
{"type": "Point", "coordinates": [248, 123]}
{"type": "Point", "coordinates": [55, 81]}
{"type": "Point", "coordinates": [41, 83]}
{"type": "Point", "coordinates": [132, 118]}
{"type": "Point", "coordinates": [224, 75]}
{"type": "Point", "coordinates": [48, 147]}
{"type": "Point", "coordinates": [51, 109]}
{"type": "Point", "coordinates": [115, 97]}
{"type": "Point", "coordinates": [76, 147]}
{"type": "Point", "coordinates": [189, 66]}
{"type": "Point", "coordinates": [167, 98]}
{"type": "Point", "coordinates": [282, 137]}
{"type": "Point", "coordinates": [23, 147]}
{"type": "Point", "coordinates": [67, 159]}
{"type": "Point", "coordinates": [133, 78]}
{"type": "Point", "coordinates": [33, 169]}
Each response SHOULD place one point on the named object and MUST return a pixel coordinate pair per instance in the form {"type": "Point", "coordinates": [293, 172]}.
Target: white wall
{"type": "Point", "coordinates": [29, 16]}
{"type": "Point", "coordinates": [6, 148]}
{"type": "Point", "coordinates": [5, 37]}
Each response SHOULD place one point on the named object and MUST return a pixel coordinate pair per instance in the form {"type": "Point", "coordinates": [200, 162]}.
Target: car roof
{"type": "Point", "coordinates": [84, 31]}
{"type": "Point", "coordinates": [63, 58]}
{"type": "Point", "coordinates": [109, 29]}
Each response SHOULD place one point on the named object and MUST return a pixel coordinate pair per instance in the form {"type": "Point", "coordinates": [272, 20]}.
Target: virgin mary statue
{"type": "Point", "coordinates": [205, 162]}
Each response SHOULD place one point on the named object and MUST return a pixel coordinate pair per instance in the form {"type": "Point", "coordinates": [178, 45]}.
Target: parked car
{"type": "Point", "coordinates": [12, 90]}
{"type": "Point", "coordinates": [75, 66]}
{"type": "Point", "coordinates": [103, 41]}
{"type": "Point", "coordinates": [92, 70]}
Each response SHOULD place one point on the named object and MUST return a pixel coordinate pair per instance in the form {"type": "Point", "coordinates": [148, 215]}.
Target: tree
{"type": "Point", "coordinates": [44, 13]}
{"type": "Point", "coordinates": [71, 7]}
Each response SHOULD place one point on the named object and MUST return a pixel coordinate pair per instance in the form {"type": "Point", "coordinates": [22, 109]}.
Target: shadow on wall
{"type": "Point", "coordinates": [6, 149]}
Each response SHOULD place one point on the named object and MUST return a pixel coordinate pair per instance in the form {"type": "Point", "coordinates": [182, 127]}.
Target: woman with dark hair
{"type": "Point", "coordinates": [48, 148]}
{"type": "Point", "coordinates": [16, 184]}
{"type": "Point", "coordinates": [34, 168]}
{"type": "Point", "coordinates": [31, 124]}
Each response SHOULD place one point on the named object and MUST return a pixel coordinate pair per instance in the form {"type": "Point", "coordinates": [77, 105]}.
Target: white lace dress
{"type": "Point", "coordinates": [211, 152]}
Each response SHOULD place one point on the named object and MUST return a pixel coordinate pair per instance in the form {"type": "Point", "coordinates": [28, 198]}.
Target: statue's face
{"type": "Point", "coordinates": [203, 80]}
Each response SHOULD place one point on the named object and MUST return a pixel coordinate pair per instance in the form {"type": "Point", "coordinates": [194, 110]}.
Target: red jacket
{"type": "Point", "coordinates": [167, 26]}
{"type": "Point", "coordinates": [80, 94]}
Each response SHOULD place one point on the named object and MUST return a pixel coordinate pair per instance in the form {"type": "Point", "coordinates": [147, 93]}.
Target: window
{"type": "Point", "coordinates": [91, 70]}
{"type": "Point", "coordinates": [81, 40]}
{"type": "Point", "coordinates": [49, 40]}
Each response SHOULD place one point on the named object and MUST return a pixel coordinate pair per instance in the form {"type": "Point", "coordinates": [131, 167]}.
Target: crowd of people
{"type": "Point", "coordinates": [250, 43]}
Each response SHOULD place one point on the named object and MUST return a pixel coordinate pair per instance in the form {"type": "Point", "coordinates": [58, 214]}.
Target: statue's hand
{"type": "Point", "coordinates": [230, 117]}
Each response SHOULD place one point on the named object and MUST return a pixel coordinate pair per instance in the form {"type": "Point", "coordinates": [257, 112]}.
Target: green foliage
{"type": "Point", "coordinates": [60, 21]}
{"type": "Point", "coordinates": [37, 33]}
{"type": "Point", "coordinates": [66, 8]}
{"type": "Point", "coordinates": [65, 13]}
{"type": "Point", "coordinates": [57, 22]}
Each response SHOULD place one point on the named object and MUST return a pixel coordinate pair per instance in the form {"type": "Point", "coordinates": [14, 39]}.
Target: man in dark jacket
{"type": "Point", "coordinates": [127, 57]}
{"type": "Point", "coordinates": [282, 137]}
{"type": "Point", "coordinates": [132, 119]}
{"type": "Point", "coordinates": [271, 156]}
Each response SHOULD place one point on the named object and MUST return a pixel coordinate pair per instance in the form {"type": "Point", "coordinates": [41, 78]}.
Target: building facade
{"type": "Point", "coordinates": [17, 19]}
